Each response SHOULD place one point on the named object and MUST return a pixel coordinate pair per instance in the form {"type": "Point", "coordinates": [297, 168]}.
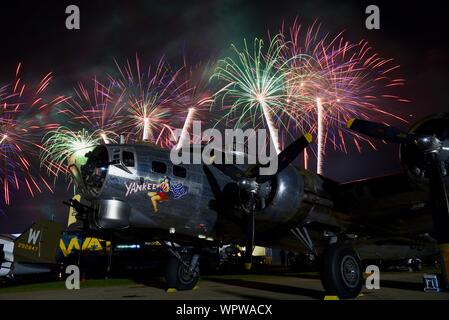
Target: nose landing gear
{"type": "Point", "coordinates": [182, 273]}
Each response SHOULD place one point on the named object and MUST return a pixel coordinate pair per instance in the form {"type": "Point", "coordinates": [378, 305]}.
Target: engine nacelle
{"type": "Point", "coordinates": [412, 158]}
{"type": "Point", "coordinates": [284, 198]}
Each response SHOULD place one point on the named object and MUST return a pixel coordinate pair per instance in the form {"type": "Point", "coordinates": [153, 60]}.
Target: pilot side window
{"type": "Point", "coordinates": [179, 171]}
{"type": "Point", "coordinates": [128, 158]}
{"type": "Point", "coordinates": [158, 167]}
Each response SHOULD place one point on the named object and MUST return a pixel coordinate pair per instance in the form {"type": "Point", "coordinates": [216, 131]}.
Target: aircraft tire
{"type": "Point", "coordinates": [178, 277]}
{"type": "Point", "coordinates": [341, 271]}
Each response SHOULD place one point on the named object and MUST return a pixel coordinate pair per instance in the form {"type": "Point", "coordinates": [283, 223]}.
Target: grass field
{"type": "Point", "coordinates": [60, 285]}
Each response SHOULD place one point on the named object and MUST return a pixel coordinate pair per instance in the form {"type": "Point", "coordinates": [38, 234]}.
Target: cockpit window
{"type": "Point", "coordinates": [128, 158]}
{"type": "Point", "coordinates": [179, 171]}
{"type": "Point", "coordinates": [159, 167]}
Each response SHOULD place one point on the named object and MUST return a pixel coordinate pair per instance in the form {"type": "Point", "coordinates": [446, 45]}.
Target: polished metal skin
{"type": "Point", "coordinates": [124, 198]}
{"type": "Point", "coordinates": [136, 190]}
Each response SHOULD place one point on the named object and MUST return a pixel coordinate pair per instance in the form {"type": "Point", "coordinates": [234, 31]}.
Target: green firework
{"type": "Point", "coordinates": [255, 90]}
{"type": "Point", "coordinates": [63, 146]}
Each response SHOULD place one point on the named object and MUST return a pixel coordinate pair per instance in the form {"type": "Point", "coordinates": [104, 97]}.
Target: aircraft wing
{"type": "Point", "coordinates": [385, 205]}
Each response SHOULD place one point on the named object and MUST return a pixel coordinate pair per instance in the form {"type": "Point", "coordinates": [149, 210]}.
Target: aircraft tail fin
{"type": "Point", "coordinates": [39, 243]}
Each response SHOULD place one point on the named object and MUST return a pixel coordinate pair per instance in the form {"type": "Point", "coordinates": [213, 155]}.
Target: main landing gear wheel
{"type": "Point", "coordinates": [341, 271]}
{"type": "Point", "coordinates": [179, 275]}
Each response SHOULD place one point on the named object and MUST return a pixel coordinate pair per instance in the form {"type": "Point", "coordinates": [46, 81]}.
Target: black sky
{"type": "Point", "coordinates": [34, 33]}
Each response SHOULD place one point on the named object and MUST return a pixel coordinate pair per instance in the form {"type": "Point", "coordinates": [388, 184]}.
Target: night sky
{"type": "Point", "coordinates": [34, 33]}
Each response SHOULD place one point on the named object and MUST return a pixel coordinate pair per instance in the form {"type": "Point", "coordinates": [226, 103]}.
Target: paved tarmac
{"type": "Point", "coordinates": [394, 286]}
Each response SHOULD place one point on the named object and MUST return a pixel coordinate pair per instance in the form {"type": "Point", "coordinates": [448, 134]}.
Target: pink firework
{"type": "Point", "coordinates": [193, 98]}
{"type": "Point", "coordinates": [150, 94]}
{"type": "Point", "coordinates": [98, 108]}
{"type": "Point", "coordinates": [332, 81]}
{"type": "Point", "coordinates": [23, 116]}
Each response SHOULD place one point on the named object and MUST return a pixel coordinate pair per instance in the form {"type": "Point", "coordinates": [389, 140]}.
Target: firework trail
{"type": "Point", "coordinates": [194, 96]}
{"type": "Point", "coordinates": [320, 135]}
{"type": "Point", "coordinates": [97, 108]}
{"type": "Point", "coordinates": [150, 96]}
{"type": "Point", "coordinates": [331, 81]}
{"type": "Point", "coordinates": [256, 83]}
{"type": "Point", "coordinates": [23, 115]}
{"type": "Point", "coordinates": [63, 147]}
{"type": "Point", "coordinates": [183, 139]}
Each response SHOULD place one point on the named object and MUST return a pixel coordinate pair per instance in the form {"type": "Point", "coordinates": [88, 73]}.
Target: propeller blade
{"type": "Point", "coordinates": [230, 170]}
{"type": "Point", "coordinates": [248, 258]}
{"type": "Point", "coordinates": [380, 131]}
{"type": "Point", "coordinates": [284, 158]}
{"type": "Point", "coordinates": [216, 190]}
{"type": "Point", "coordinates": [235, 173]}
{"type": "Point", "coordinates": [438, 199]}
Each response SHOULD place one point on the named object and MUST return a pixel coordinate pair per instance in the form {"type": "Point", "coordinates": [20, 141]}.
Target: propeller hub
{"type": "Point", "coordinates": [429, 144]}
{"type": "Point", "coordinates": [249, 185]}
{"type": "Point", "coordinates": [431, 138]}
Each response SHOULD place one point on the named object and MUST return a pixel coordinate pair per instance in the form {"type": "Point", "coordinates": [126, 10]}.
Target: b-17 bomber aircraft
{"type": "Point", "coordinates": [133, 192]}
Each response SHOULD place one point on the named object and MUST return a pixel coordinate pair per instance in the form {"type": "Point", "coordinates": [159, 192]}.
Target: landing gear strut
{"type": "Point", "coordinates": [182, 272]}
{"type": "Point", "coordinates": [341, 271]}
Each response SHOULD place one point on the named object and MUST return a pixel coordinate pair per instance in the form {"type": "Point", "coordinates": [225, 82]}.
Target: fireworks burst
{"type": "Point", "coordinates": [23, 112]}
{"type": "Point", "coordinates": [99, 109]}
{"type": "Point", "coordinates": [150, 96]}
{"type": "Point", "coordinates": [331, 81]}
{"type": "Point", "coordinates": [64, 146]}
{"type": "Point", "coordinates": [193, 99]}
{"type": "Point", "coordinates": [256, 85]}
